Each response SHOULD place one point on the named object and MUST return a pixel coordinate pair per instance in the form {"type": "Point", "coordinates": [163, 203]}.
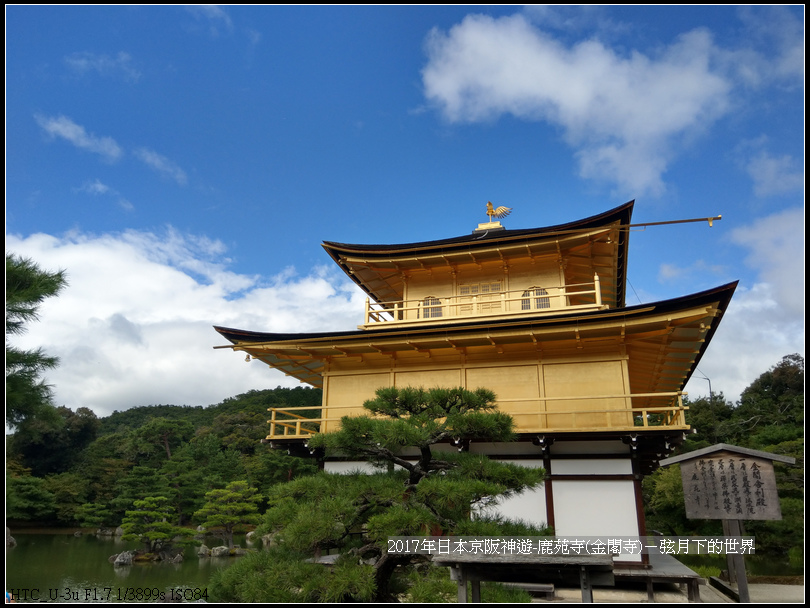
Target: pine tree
{"type": "Point", "coordinates": [226, 509]}
{"type": "Point", "coordinates": [422, 490]}
{"type": "Point", "coordinates": [149, 523]}
{"type": "Point", "coordinates": [27, 286]}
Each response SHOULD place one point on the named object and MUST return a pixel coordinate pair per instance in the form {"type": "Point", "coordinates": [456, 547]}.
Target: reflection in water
{"type": "Point", "coordinates": [62, 567]}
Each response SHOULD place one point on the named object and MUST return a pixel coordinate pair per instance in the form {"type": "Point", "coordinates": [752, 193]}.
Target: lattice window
{"type": "Point", "coordinates": [535, 298]}
{"type": "Point", "coordinates": [487, 297]}
{"type": "Point", "coordinates": [431, 308]}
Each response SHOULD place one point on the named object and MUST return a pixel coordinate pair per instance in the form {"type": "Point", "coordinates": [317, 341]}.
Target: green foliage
{"type": "Point", "coordinates": [28, 499]}
{"type": "Point", "coordinates": [135, 417]}
{"type": "Point", "coordinates": [242, 431]}
{"type": "Point", "coordinates": [417, 418]}
{"type": "Point", "coordinates": [429, 493]}
{"type": "Point", "coordinates": [706, 571]}
{"type": "Point", "coordinates": [154, 441]}
{"type": "Point", "coordinates": [267, 467]}
{"type": "Point", "coordinates": [426, 583]}
{"type": "Point", "coordinates": [148, 523]}
{"type": "Point", "coordinates": [102, 463]}
{"type": "Point", "coordinates": [27, 286]}
{"type": "Point", "coordinates": [69, 490]}
{"type": "Point", "coordinates": [179, 452]}
{"type": "Point", "coordinates": [279, 576]}
{"type": "Point", "coordinates": [53, 444]}
{"type": "Point", "coordinates": [226, 509]}
{"type": "Point", "coordinates": [768, 417]}
{"type": "Point", "coordinates": [93, 515]}
{"type": "Point", "coordinates": [141, 481]}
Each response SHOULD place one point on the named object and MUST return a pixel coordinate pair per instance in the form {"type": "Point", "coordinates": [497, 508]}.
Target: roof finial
{"type": "Point", "coordinates": [499, 212]}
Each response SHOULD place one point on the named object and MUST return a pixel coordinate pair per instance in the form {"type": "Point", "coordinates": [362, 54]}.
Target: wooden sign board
{"type": "Point", "coordinates": [727, 485]}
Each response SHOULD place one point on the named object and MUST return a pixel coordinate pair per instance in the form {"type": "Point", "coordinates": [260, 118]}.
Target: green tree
{"type": "Point", "coordinates": [226, 509]}
{"type": "Point", "coordinates": [710, 419]}
{"type": "Point", "coordinates": [267, 467]}
{"type": "Point", "coordinates": [140, 481]}
{"type": "Point", "coordinates": [27, 286]}
{"type": "Point", "coordinates": [70, 491]}
{"type": "Point", "coordinates": [27, 498]}
{"type": "Point", "coordinates": [427, 493]}
{"type": "Point", "coordinates": [157, 437]}
{"type": "Point", "coordinates": [775, 399]}
{"type": "Point", "coordinates": [149, 523]}
{"type": "Point", "coordinates": [53, 445]}
{"type": "Point", "coordinates": [93, 515]}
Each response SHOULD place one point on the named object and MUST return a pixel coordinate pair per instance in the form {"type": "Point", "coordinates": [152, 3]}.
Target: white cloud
{"type": "Point", "coordinates": [775, 51]}
{"type": "Point", "coordinates": [64, 127]}
{"type": "Point", "coordinates": [775, 175]}
{"type": "Point", "coordinates": [97, 188]}
{"type": "Point", "coordinates": [766, 321]}
{"type": "Point", "coordinates": [121, 64]}
{"type": "Point", "coordinates": [162, 165]}
{"type": "Point", "coordinates": [134, 326]}
{"type": "Point", "coordinates": [776, 245]}
{"type": "Point", "coordinates": [754, 334]}
{"type": "Point", "coordinates": [94, 187]}
{"type": "Point", "coordinates": [213, 16]}
{"type": "Point", "coordinates": [626, 114]}
{"type": "Point", "coordinates": [668, 272]}
{"type": "Point", "coordinates": [254, 36]}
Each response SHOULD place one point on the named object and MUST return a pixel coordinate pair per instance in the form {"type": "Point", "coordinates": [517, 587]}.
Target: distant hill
{"type": "Point", "coordinates": [252, 402]}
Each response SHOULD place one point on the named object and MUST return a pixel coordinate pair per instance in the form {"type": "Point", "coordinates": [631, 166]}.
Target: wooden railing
{"type": "Point", "coordinates": [579, 296]}
{"type": "Point", "coordinates": [288, 423]}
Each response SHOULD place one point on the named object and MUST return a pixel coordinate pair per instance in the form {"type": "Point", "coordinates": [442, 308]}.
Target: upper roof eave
{"type": "Point", "coordinates": [621, 214]}
{"type": "Point", "coordinates": [339, 252]}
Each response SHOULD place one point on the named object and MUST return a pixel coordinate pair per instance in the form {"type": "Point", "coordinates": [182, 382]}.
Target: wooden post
{"type": "Point", "coordinates": [736, 561]}
{"type": "Point", "coordinates": [598, 289]}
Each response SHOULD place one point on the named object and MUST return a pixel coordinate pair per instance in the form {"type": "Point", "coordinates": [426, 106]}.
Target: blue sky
{"type": "Point", "coordinates": [183, 165]}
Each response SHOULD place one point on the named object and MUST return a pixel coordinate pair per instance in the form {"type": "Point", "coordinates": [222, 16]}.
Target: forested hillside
{"type": "Point", "coordinates": [82, 469]}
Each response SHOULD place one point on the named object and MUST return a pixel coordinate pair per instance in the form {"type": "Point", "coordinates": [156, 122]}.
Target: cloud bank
{"type": "Point", "coordinates": [626, 114]}
{"type": "Point", "coordinates": [134, 326]}
{"type": "Point", "coordinates": [764, 322]}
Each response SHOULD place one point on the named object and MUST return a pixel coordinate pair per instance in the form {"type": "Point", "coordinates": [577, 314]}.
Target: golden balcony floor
{"type": "Point", "coordinates": [537, 415]}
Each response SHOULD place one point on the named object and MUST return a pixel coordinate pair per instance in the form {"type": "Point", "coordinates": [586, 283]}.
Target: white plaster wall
{"type": "Point", "coordinates": [529, 505]}
{"type": "Point", "coordinates": [592, 467]}
{"type": "Point", "coordinates": [596, 508]}
{"type": "Point", "coordinates": [344, 467]}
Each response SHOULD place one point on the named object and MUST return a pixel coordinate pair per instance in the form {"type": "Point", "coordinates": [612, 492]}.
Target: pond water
{"type": "Point", "coordinates": [60, 567]}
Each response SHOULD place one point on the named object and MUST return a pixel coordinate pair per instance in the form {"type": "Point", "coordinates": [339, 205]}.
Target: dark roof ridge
{"type": "Point", "coordinates": [621, 213]}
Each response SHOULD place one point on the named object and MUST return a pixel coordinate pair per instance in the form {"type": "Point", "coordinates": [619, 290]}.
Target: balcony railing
{"type": "Point", "coordinates": [531, 415]}
{"type": "Point", "coordinates": [579, 296]}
